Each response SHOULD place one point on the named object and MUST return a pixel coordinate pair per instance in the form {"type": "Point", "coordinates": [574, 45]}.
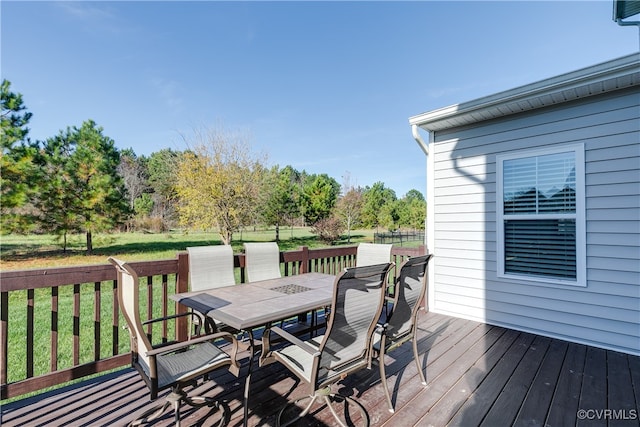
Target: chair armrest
{"type": "Point", "coordinates": [296, 341]}
{"type": "Point", "coordinates": [173, 316]}
{"type": "Point", "coordinates": [202, 338]}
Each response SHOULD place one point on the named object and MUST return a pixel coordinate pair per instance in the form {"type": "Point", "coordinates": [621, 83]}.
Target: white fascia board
{"type": "Point", "coordinates": [594, 80]}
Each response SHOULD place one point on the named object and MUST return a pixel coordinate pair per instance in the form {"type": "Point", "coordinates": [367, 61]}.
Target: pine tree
{"type": "Point", "coordinates": [80, 190]}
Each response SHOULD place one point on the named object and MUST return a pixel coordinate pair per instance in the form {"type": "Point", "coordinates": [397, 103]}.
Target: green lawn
{"type": "Point", "coordinates": [36, 251]}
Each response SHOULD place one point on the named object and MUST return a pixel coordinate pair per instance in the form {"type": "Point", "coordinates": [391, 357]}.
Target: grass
{"type": "Point", "coordinates": [37, 251]}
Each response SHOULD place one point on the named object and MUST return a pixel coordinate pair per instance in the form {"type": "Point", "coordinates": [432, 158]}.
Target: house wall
{"type": "Point", "coordinates": [605, 312]}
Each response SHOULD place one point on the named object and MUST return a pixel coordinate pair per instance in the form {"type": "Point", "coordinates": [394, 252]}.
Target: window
{"type": "Point", "coordinates": [541, 215]}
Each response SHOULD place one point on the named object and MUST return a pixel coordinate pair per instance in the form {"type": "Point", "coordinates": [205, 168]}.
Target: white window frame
{"type": "Point", "coordinates": [578, 150]}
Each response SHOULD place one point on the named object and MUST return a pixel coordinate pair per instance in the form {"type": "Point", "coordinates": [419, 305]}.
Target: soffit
{"type": "Point", "coordinates": [598, 79]}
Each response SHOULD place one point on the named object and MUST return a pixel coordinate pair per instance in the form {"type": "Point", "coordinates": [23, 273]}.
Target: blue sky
{"type": "Point", "coordinates": [325, 87]}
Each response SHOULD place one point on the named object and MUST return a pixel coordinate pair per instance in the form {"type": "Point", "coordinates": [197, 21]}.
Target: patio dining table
{"type": "Point", "coordinates": [253, 305]}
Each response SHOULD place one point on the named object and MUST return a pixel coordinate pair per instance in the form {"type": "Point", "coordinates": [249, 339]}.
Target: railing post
{"type": "Point", "coordinates": [242, 264]}
{"type": "Point", "coordinates": [182, 285]}
{"type": "Point", "coordinates": [305, 259]}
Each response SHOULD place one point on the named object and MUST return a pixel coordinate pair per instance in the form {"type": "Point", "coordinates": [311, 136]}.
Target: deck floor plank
{"type": "Point", "coordinates": [459, 395]}
{"type": "Point", "coordinates": [508, 402]}
{"type": "Point", "coordinates": [475, 373]}
{"type": "Point", "coordinates": [456, 383]}
{"type": "Point", "coordinates": [620, 393]}
{"type": "Point", "coordinates": [482, 385]}
{"type": "Point", "coordinates": [566, 398]}
{"type": "Point", "coordinates": [594, 385]}
{"type": "Point", "coordinates": [478, 405]}
{"type": "Point", "coordinates": [634, 370]}
{"type": "Point", "coordinates": [448, 373]}
{"type": "Point", "coordinates": [536, 403]}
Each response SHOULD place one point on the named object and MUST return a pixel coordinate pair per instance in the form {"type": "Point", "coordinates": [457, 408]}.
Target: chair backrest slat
{"type": "Point", "coordinates": [262, 261]}
{"type": "Point", "coordinates": [410, 289]}
{"type": "Point", "coordinates": [372, 254]}
{"type": "Point", "coordinates": [357, 304]}
{"type": "Point", "coordinates": [210, 267]}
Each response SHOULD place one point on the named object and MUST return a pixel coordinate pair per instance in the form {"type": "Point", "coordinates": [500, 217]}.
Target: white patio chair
{"type": "Point", "coordinates": [262, 261]}
{"type": "Point", "coordinates": [171, 365]}
{"type": "Point", "coordinates": [373, 253]}
{"type": "Point", "coordinates": [210, 267]}
{"type": "Point", "coordinates": [358, 298]}
{"type": "Point", "coordinates": [401, 325]}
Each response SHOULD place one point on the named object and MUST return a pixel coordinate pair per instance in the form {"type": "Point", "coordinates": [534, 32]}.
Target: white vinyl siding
{"type": "Point", "coordinates": [605, 310]}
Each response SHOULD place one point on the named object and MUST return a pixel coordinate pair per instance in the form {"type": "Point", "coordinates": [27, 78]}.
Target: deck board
{"type": "Point", "coordinates": [538, 399]}
{"type": "Point", "coordinates": [566, 397]}
{"type": "Point", "coordinates": [507, 404]}
{"type": "Point", "coordinates": [477, 374]}
{"type": "Point", "coordinates": [594, 384]}
{"type": "Point", "coordinates": [489, 378]}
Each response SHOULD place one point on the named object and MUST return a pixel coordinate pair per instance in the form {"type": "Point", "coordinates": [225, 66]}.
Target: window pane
{"type": "Point", "coordinates": [519, 177]}
{"type": "Point", "coordinates": [541, 184]}
{"type": "Point", "coordinates": [541, 247]}
{"type": "Point", "coordinates": [557, 182]}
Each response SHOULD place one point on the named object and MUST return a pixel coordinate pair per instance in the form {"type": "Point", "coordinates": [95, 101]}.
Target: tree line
{"type": "Point", "coordinates": [78, 182]}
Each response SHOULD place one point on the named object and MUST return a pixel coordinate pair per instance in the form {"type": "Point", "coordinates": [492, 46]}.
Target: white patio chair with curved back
{"type": "Point", "coordinates": [401, 325]}
{"type": "Point", "coordinates": [262, 261]}
{"type": "Point", "coordinates": [171, 365]}
{"type": "Point", "coordinates": [358, 298]}
{"type": "Point", "coordinates": [210, 267]}
{"type": "Point", "coordinates": [373, 253]}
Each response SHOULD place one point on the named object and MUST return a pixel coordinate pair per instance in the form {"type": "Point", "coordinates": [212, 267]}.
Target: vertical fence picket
{"type": "Point", "coordinates": [165, 303]}
{"type": "Point", "coordinates": [150, 307]}
{"type": "Point", "coordinates": [115, 320]}
{"type": "Point", "coordinates": [76, 324]}
{"type": "Point", "coordinates": [30, 323]}
{"type": "Point", "coordinates": [97, 305]}
{"type": "Point", "coordinates": [54, 329]}
{"type": "Point", "coordinates": [4, 337]}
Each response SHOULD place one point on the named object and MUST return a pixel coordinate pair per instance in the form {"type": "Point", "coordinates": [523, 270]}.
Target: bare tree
{"type": "Point", "coordinates": [349, 209]}
{"type": "Point", "coordinates": [134, 175]}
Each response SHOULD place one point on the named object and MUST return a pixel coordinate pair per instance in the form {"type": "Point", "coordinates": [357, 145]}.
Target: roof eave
{"type": "Point", "coordinates": [601, 78]}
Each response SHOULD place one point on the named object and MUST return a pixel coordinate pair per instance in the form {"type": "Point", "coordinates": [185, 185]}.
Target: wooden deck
{"type": "Point", "coordinates": [477, 375]}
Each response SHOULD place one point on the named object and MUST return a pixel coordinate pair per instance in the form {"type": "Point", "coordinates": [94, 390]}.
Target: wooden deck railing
{"type": "Point", "coordinates": [72, 289]}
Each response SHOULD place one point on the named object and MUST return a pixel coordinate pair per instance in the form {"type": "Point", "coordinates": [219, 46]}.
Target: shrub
{"type": "Point", "coordinates": [328, 230]}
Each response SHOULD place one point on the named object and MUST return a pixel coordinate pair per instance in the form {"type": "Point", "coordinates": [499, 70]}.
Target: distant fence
{"type": "Point", "coordinates": [399, 237]}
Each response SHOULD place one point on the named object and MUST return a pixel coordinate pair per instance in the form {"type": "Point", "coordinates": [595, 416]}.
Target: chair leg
{"type": "Point", "coordinates": [327, 396]}
{"type": "Point", "coordinates": [383, 378]}
{"type": "Point", "coordinates": [200, 401]}
{"type": "Point", "coordinates": [175, 399]}
{"type": "Point", "coordinates": [347, 401]}
{"type": "Point", "coordinates": [417, 359]}
{"type": "Point", "coordinates": [304, 412]}
{"type": "Point", "coordinates": [150, 415]}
